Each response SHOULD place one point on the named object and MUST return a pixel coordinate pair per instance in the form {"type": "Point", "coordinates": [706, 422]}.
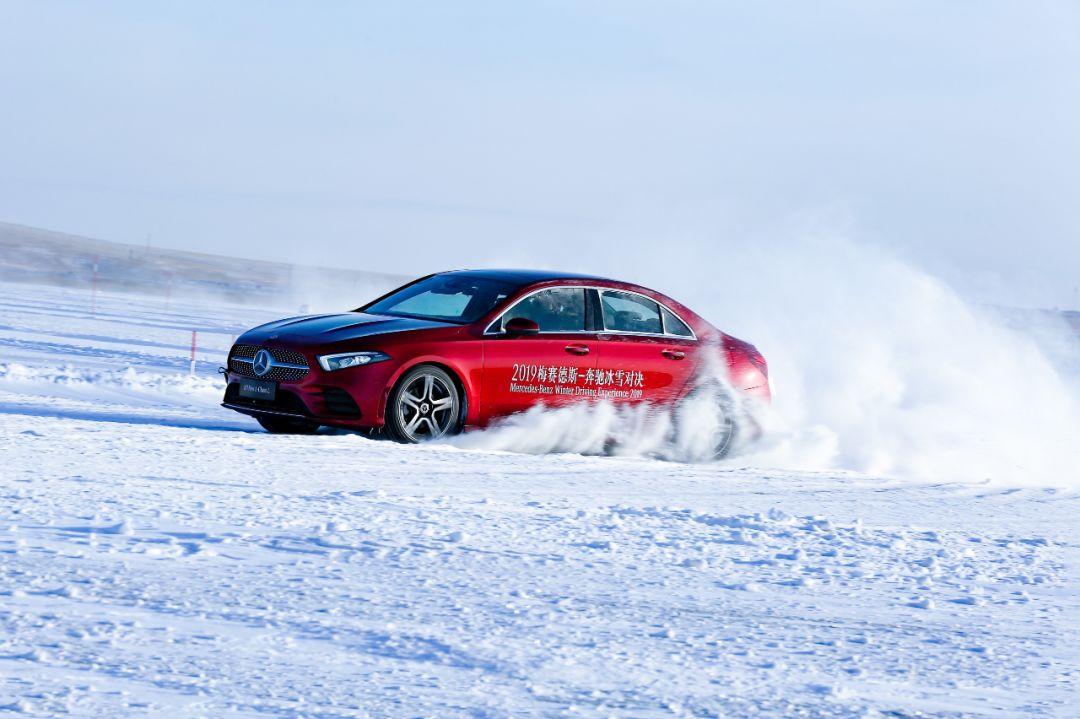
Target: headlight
{"type": "Point", "coordinates": [350, 359]}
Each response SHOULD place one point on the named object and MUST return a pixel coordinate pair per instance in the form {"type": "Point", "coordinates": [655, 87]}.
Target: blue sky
{"type": "Point", "coordinates": [412, 137]}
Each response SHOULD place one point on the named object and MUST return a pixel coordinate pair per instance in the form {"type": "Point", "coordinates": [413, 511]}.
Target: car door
{"type": "Point", "coordinates": [549, 367]}
{"type": "Point", "coordinates": [646, 353]}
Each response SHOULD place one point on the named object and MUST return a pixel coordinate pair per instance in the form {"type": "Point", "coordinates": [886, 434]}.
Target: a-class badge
{"type": "Point", "coordinates": [262, 363]}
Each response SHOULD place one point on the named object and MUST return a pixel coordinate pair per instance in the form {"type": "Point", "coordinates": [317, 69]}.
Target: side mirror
{"type": "Point", "coordinates": [520, 326]}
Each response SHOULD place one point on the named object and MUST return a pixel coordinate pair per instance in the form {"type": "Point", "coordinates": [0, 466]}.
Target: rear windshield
{"type": "Point", "coordinates": [445, 298]}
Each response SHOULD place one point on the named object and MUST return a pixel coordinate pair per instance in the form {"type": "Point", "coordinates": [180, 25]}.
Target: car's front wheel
{"type": "Point", "coordinates": [287, 425]}
{"type": "Point", "coordinates": [425, 404]}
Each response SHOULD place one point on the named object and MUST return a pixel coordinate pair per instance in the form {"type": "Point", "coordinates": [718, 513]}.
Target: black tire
{"type": "Point", "coordinates": [726, 430]}
{"type": "Point", "coordinates": [287, 425]}
{"type": "Point", "coordinates": [424, 404]}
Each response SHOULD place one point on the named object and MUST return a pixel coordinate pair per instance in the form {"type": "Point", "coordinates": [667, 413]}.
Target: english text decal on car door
{"type": "Point", "coordinates": [572, 381]}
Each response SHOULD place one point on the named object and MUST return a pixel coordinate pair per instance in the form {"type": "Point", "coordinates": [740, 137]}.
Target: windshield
{"type": "Point", "coordinates": [446, 298]}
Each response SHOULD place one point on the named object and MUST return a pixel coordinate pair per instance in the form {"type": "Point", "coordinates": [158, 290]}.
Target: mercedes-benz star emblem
{"type": "Point", "coordinates": [262, 363]}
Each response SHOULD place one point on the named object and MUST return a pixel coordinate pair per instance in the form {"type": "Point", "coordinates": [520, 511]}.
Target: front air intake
{"type": "Point", "coordinates": [340, 402]}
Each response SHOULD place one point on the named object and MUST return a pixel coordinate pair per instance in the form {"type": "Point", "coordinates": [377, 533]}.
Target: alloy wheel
{"type": "Point", "coordinates": [426, 407]}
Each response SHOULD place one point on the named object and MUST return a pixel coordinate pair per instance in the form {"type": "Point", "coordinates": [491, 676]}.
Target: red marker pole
{"type": "Point", "coordinates": [194, 334]}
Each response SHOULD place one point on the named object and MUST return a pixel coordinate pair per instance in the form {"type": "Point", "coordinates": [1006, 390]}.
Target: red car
{"type": "Point", "coordinates": [459, 349]}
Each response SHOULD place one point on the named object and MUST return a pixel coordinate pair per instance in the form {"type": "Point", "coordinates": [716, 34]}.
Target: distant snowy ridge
{"type": "Point", "coordinates": [32, 255]}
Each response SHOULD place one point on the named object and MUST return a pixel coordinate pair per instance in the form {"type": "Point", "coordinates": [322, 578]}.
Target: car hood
{"type": "Point", "coordinates": [326, 329]}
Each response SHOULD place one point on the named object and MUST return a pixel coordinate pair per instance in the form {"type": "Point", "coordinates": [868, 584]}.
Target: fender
{"type": "Point", "coordinates": [467, 380]}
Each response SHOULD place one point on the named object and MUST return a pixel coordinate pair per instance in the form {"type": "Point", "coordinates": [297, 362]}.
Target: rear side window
{"type": "Point", "coordinates": [673, 325]}
{"type": "Point", "coordinates": [624, 312]}
{"type": "Point", "coordinates": [560, 309]}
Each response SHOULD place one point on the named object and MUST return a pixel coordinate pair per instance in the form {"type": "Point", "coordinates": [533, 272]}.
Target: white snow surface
{"type": "Point", "coordinates": [162, 557]}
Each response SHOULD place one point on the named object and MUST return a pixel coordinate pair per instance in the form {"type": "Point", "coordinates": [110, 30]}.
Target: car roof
{"type": "Point", "coordinates": [524, 277]}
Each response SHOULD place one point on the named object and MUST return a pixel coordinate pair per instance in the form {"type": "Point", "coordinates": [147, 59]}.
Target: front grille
{"type": "Point", "coordinates": [241, 356]}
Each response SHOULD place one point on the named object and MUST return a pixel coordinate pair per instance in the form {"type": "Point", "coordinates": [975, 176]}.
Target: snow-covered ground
{"type": "Point", "coordinates": [160, 557]}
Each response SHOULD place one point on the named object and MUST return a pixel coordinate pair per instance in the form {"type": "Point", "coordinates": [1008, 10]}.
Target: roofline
{"type": "Point", "coordinates": [544, 275]}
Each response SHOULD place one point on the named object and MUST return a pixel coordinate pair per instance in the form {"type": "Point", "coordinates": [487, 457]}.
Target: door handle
{"type": "Point", "coordinates": [673, 354]}
{"type": "Point", "coordinates": [577, 349]}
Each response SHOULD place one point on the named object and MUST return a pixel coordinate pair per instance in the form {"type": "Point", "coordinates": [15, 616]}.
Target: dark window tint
{"type": "Point", "coordinates": [449, 298]}
{"type": "Point", "coordinates": [560, 309]}
{"type": "Point", "coordinates": [624, 312]}
{"type": "Point", "coordinates": [673, 325]}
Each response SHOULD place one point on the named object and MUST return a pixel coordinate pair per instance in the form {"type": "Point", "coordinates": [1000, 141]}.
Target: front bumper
{"type": "Point", "coordinates": [261, 411]}
{"type": "Point", "coordinates": [324, 404]}
{"type": "Point", "coordinates": [351, 398]}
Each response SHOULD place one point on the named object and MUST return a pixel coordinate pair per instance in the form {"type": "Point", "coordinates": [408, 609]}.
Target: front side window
{"type": "Point", "coordinates": [560, 309]}
{"type": "Point", "coordinates": [446, 298]}
{"type": "Point", "coordinates": [624, 312]}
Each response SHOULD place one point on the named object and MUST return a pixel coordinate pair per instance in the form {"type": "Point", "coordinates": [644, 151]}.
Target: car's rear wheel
{"type": "Point", "coordinates": [287, 425]}
{"type": "Point", "coordinates": [425, 404]}
{"type": "Point", "coordinates": [724, 437]}
{"type": "Point", "coordinates": [705, 422]}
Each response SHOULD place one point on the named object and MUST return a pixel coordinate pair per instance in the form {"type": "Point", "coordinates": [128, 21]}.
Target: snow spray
{"type": "Point", "coordinates": [876, 367]}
